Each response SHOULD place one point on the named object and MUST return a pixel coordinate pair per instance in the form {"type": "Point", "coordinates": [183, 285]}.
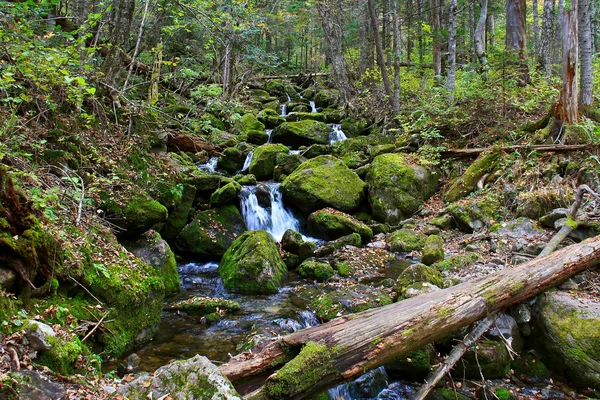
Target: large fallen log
{"type": "Point", "coordinates": [539, 148]}
{"type": "Point", "coordinates": [182, 142]}
{"type": "Point", "coordinates": [310, 361]}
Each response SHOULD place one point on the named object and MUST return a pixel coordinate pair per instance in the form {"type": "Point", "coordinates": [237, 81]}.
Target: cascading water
{"type": "Point", "coordinates": [368, 386]}
{"type": "Point", "coordinates": [269, 132]}
{"type": "Point", "coordinates": [210, 166]}
{"type": "Point", "coordinates": [283, 110]}
{"type": "Point", "coordinates": [337, 135]}
{"type": "Point", "coordinates": [275, 219]}
{"type": "Point", "coordinates": [313, 107]}
{"type": "Point", "coordinates": [248, 161]}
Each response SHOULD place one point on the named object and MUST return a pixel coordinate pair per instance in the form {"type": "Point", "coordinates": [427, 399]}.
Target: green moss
{"type": "Point", "coordinates": [351, 300]}
{"type": "Point", "coordinates": [406, 240]}
{"type": "Point", "coordinates": [263, 160]}
{"type": "Point", "coordinates": [63, 355]}
{"type": "Point", "coordinates": [226, 194]}
{"type": "Point", "coordinates": [252, 264]}
{"type": "Point", "coordinates": [138, 213]}
{"type": "Point", "coordinates": [433, 250]}
{"type": "Point", "coordinates": [178, 217]}
{"type": "Point", "coordinates": [529, 366]}
{"type": "Point", "coordinates": [331, 224]}
{"type": "Point", "coordinates": [321, 182]}
{"type": "Point", "coordinates": [313, 269]}
{"type": "Point", "coordinates": [204, 305]}
{"type": "Point", "coordinates": [489, 358]}
{"type": "Point", "coordinates": [302, 133]}
{"type": "Point", "coordinates": [504, 394]}
{"type": "Point", "coordinates": [571, 223]}
{"type": "Point", "coordinates": [466, 183]}
{"type": "Point", "coordinates": [247, 124]}
{"type": "Point", "coordinates": [306, 370]}
{"type": "Point", "coordinates": [417, 273]}
{"type": "Point", "coordinates": [457, 262]}
{"type": "Point", "coordinates": [344, 269]}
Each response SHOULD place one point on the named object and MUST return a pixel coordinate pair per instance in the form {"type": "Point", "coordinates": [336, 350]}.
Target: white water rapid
{"type": "Point", "coordinates": [337, 135]}
{"type": "Point", "coordinates": [313, 107]}
{"type": "Point", "coordinates": [210, 166]}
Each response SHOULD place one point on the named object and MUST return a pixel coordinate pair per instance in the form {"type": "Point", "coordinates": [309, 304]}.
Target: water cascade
{"type": "Point", "coordinates": [275, 219]}
{"type": "Point", "coordinates": [210, 166]}
{"type": "Point", "coordinates": [269, 132]}
{"type": "Point", "coordinates": [247, 161]}
{"type": "Point", "coordinates": [337, 135]}
{"type": "Point", "coordinates": [313, 107]}
{"type": "Point", "coordinates": [283, 110]}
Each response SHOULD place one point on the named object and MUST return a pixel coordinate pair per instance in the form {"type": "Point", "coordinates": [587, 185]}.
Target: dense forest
{"type": "Point", "coordinates": [285, 199]}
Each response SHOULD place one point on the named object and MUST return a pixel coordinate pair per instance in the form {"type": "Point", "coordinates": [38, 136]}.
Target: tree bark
{"type": "Point", "coordinates": [451, 83]}
{"type": "Point", "coordinates": [332, 27]}
{"type": "Point", "coordinates": [585, 53]}
{"type": "Point", "coordinates": [183, 142]}
{"type": "Point", "coordinates": [540, 149]}
{"type": "Point", "coordinates": [363, 19]}
{"type": "Point", "coordinates": [472, 27]}
{"type": "Point", "coordinates": [536, 28]}
{"type": "Point", "coordinates": [480, 38]}
{"type": "Point", "coordinates": [545, 53]}
{"type": "Point", "coordinates": [436, 26]}
{"type": "Point", "coordinates": [516, 34]}
{"type": "Point", "coordinates": [379, 51]}
{"type": "Point", "coordinates": [566, 108]}
{"type": "Point", "coordinates": [558, 32]}
{"type": "Point", "coordinates": [396, 41]}
{"type": "Point", "coordinates": [358, 343]}
{"type": "Point", "coordinates": [120, 26]}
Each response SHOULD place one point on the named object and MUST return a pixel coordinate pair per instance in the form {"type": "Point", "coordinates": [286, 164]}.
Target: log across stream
{"type": "Point", "coordinates": [310, 361]}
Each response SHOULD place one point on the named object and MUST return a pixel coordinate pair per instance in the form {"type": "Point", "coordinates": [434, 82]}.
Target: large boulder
{"type": "Point", "coordinates": [252, 264]}
{"type": "Point", "coordinates": [178, 217]}
{"type": "Point", "coordinates": [321, 182]}
{"type": "Point", "coordinates": [417, 273]}
{"type": "Point", "coordinates": [490, 359]}
{"type": "Point", "coordinates": [263, 160]}
{"type": "Point", "coordinates": [270, 118]}
{"type": "Point", "coordinates": [247, 125]}
{"type": "Point", "coordinates": [211, 232]}
{"type": "Point", "coordinates": [331, 224]}
{"type": "Point", "coordinates": [196, 378]}
{"type": "Point", "coordinates": [397, 188]}
{"type": "Point", "coordinates": [433, 251]}
{"type": "Point", "coordinates": [467, 182]}
{"type": "Point", "coordinates": [226, 195]}
{"type": "Point", "coordinates": [314, 269]}
{"type": "Point", "coordinates": [568, 334]}
{"type": "Point", "coordinates": [474, 214]}
{"type": "Point", "coordinates": [302, 133]}
{"type": "Point", "coordinates": [406, 240]}
{"type": "Point", "coordinates": [232, 160]}
{"type": "Point", "coordinates": [133, 215]}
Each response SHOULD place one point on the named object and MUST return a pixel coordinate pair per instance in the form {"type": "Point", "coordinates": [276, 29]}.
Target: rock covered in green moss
{"type": "Point", "coordinates": [247, 124]}
{"type": "Point", "coordinates": [302, 133]}
{"type": "Point", "coordinates": [406, 240]}
{"type": "Point", "coordinates": [531, 367]}
{"type": "Point", "coordinates": [352, 239]}
{"type": "Point", "coordinates": [445, 222]}
{"type": "Point", "coordinates": [417, 273]}
{"type": "Point", "coordinates": [291, 241]}
{"type": "Point", "coordinates": [488, 358]}
{"type": "Point", "coordinates": [232, 160]}
{"type": "Point", "coordinates": [154, 251]}
{"type": "Point", "coordinates": [306, 250]}
{"type": "Point", "coordinates": [196, 378]}
{"type": "Point", "coordinates": [211, 232]}
{"type": "Point", "coordinates": [263, 160]}
{"type": "Point", "coordinates": [412, 367]}
{"type": "Point", "coordinates": [178, 217]}
{"type": "Point", "coordinates": [568, 335]}
{"type": "Point", "coordinates": [467, 182]}
{"type": "Point", "coordinates": [134, 215]}
{"type": "Point", "coordinates": [314, 269]}
{"type": "Point", "coordinates": [326, 97]}
{"type": "Point", "coordinates": [252, 264]}
{"type": "Point", "coordinates": [331, 224]}
{"type": "Point", "coordinates": [397, 189]}
{"type": "Point", "coordinates": [226, 195]}
{"type": "Point", "coordinates": [246, 180]}
{"type": "Point", "coordinates": [323, 181]}
{"type": "Point", "coordinates": [433, 251]}
{"type": "Point", "coordinates": [270, 118]}
{"type": "Point", "coordinates": [457, 262]}
{"type": "Point", "coordinates": [197, 305]}
{"type": "Point", "coordinates": [286, 164]}
{"type": "Point", "coordinates": [62, 356]}
{"type": "Point", "coordinates": [474, 214]}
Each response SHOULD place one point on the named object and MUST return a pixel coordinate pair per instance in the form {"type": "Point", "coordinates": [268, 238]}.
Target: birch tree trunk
{"type": "Point", "coordinates": [451, 84]}
{"type": "Point", "coordinates": [566, 109]}
{"type": "Point", "coordinates": [585, 53]}
{"type": "Point", "coordinates": [480, 37]}
{"type": "Point", "coordinates": [545, 54]}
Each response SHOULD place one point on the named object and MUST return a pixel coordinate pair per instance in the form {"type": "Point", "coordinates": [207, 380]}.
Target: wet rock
{"type": "Point", "coordinates": [417, 273]}
{"type": "Point", "coordinates": [226, 195]}
{"type": "Point", "coordinates": [248, 125]}
{"type": "Point", "coordinates": [270, 118]}
{"type": "Point", "coordinates": [232, 160]}
{"type": "Point", "coordinates": [321, 182]}
{"type": "Point", "coordinates": [201, 306]}
{"type": "Point", "coordinates": [8, 278]}
{"type": "Point", "coordinates": [433, 251]}
{"type": "Point", "coordinates": [263, 162]}
{"type": "Point", "coordinates": [196, 378]}
{"type": "Point", "coordinates": [567, 332]}
{"type": "Point", "coordinates": [291, 241]}
{"type": "Point", "coordinates": [263, 195]}
{"type": "Point", "coordinates": [178, 216]}
{"type": "Point", "coordinates": [406, 240]}
{"type": "Point", "coordinates": [246, 180]}
{"type": "Point", "coordinates": [506, 328]}
{"type": "Point", "coordinates": [36, 386]}
{"type": "Point", "coordinates": [252, 264]}
{"type": "Point", "coordinates": [302, 133]}
{"type": "Point", "coordinates": [348, 240]}
{"type": "Point", "coordinates": [306, 250]}
{"type": "Point", "coordinates": [314, 269]}
{"type": "Point", "coordinates": [37, 334]}
{"type": "Point", "coordinates": [397, 188]}
{"type": "Point", "coordinates": [489, 358]}
{"type": "Point", "coordinates": [330, 224]}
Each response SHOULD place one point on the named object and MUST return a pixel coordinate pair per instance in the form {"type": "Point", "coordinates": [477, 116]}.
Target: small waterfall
{"type": "Point", "coordinates": [368, 386]}
{"type": "Point", "coordinates": [270, 133]}
{"type": "Point", "coordinates": [275, 219]}
{"type": "Point", "coordinates": [288, 97]}
{"type": "Point", "coordinates": [247, 161]}
{"type": "Point", "coordinates": [337, 135]}
{"type": "Point", "coordinates": [296, 152]}
{"type": "Point", "coordinates": [210, 166]}
{"type": "Point", "coordinates": [283, 110]}
{"type": "Point", "coordinates": [313, 107]}
{"type": "Point", "coordinates": [308, 319]}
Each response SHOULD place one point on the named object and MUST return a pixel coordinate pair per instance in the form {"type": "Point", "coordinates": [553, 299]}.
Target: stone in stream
{"type": "Point", "coordinates": [204, 305]}
{"type": "Point", "coordinates": [196, 378]}
{"type": "Point", "coordinates": [302, 133]}
{"type": "Point", "coordinates": [263, 162]}
{"type": "Point", "coordinates": [397, 188]}
{"type": "Point", "coordinates": [291, 241]}
{"type": "Point", "coordinates": [252, 264]}
{"type": "Point", "coordinates": [314, 269]}
{"type": "Point", "coordinates": [331, 224]}
{"type": "Point", "coordinates": [433, 251]}
{"type": "Point", "coordinates": [270, 118]}
{"type": "Point", "coordinates": [226, 195]}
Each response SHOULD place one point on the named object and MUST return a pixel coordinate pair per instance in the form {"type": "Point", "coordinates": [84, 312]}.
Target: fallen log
{"type": "Point", "coordinates": [310, 361]}
{"type": "Point", "coordinates": [183, 142]}
{"type": "Point", "coordinates": [458, 153]}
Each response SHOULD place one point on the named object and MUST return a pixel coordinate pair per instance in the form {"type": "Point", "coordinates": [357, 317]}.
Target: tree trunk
{"type": "Point", "coordinates": [550, 148]}
{"type": "Point", "coordinates": [545, 53]}
{"type": "Point", "coordinates": [585, 53]}
{"type": "Point", "coordinates": [472, 50]}
{"type": "Point", "coordinates": [558, 32]}
{"type": "Point", "coordinates": [492, 30]}
{"type": "Point", "coordinates": [451, 84]}
{"type": "Point", "coordinates": [480, 38]}
{"type": "Point", "coordinates": [566, 107]}
{"type": "Point", "coordinates": [396, 99]}
{"type": "Point", "coordinates": [183, 142]}
{"type": "Point", "coordinates": [516, 34]}
{"type": "Point", "coordinates": [363, 19]}
{"type": "Point", "coordinates": [347, 347]}
{"type": "Point", "coordinates": [379, 51]}
{"type": "Point", "coordinates": [332, 27]}
{"type": "Point", "coordinates": [420, 29]}
{"type": "Point", "coordinates": [410, 7]}
{"type": "Point", "coordinates": [536, 28]}
{"type": "Point", "coordinates": [436, 25]}
{"type": "Point", "coordinates": [120, 22]}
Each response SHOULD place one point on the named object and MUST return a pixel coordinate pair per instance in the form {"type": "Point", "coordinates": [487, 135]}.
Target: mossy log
{"type": "Point", "coordinates": [183, 142]}
{"type": "Point", "coordinates": [458, 153]}
{"type": "Point", "coordinates": [367, 340]}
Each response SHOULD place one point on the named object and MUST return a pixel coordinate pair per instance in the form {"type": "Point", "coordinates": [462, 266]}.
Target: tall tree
{"type": "Point", "coordinates": [566, 109]}
{"type": "Point", "coordinates": [516, 33]}
{"type": "Point", "coordinates": [545, 53]}
{"type": "Point", "coordinates": [120, 22]}
{"type": "Point", "coordinates": [585, 53]}
{"type": "Point", "coordinates": [536, 28]}
{"type": "Point", "coordinates": [451, 84]}
{"type": "Point", "coordinates": [480, 37]}
{"type": "Point", "coordinates": [379, 51]}
{"type": "Point", "coordinates": [330, 14]}
{"type": "Point", "coordinates": [396, 40]}
{"type": "Point", "coordinates": [436, 26]}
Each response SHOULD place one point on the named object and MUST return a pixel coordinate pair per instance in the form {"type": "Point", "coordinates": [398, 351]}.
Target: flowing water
{"type": "Point", "coordinates": [283, 110]}
{"type": "Point", "coordinates": [269, 132]}
{"type": "Point", "coordinates": [210, 166]}
{"type": "Point", "coordinates": [337, 135]}
{"type": "Point", "coordinates": [275, 219]}
{"type": "Point", "coordinates": [247, 161]}
{"type": "Point", "coordinates": [313, 107]}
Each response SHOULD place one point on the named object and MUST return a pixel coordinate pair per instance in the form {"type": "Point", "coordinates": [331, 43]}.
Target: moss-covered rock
{"type": "Point", "coordinates": [291, 241]}
{"type": "Point", "coordinates": [264, 159]}
{"type": "Point", "coordinates": [301, 115]}
{"type": "Point", "coordinates": [457, 262]}
{"type": "Point", "coordinates": [270, 118]}
{"type": "Point", "coordinates": [352, 239]}
{"type": "Point", "coordinates": [63, 355]}
{"type": "Point", "coordinates": [226, 195]}
{"type": "Point", "coordinates": [314, 269]}
{"type": "Point", "coordinates": [252, 264]}
{"type": "Point", "coordinates": [397, 189]}
{"type": "Point", "coordinates": [155, 251]}
{"type": "Point", "coordinates": [417, 273]}
{"type": "Point", "coordinates": [286, 164]}
{"type": "Point", "coordinates": [490, 359]}
{"type": "Point", "coordinates": [302, 133]}
{"type": "Point", "coordinates": [528, 366]}
{"type": "Point", "coordinates": [246, 180]}
{"type": "Point", "coordinates": [568, 336]}
{"type": "Point", "coordinates": [321, 182]}
{"type": "Point", "coordinates": [232, 160]}
{"type": "Point", "coordinates": [133, 215]}
{"type": "Point", "coordinates": [326, 97]}
{"type": "Point", "coordinates": [355, 126]}
{"type": "Point", "coordinates": [248, 123]}
{"type": "Point", "coordinates": [178, 217]}
{"type": "Point", "coordinates": [535, 204]}
{"type": "Point", "coordinates": [474, 214]}
{"type": "Point", "coordinates": [406, 240]}
{"type": "Point", "coordinates": [211, 232]}
{"type": "Point", "coordinates": [467, 182]}
{"type": "Point", "coordinates": [433, 251]}
{"type": "Point", "coordinates": [330, 224]}
{"type": "Point", "coordinates": [412, 367]}
{"type": "Point", "coordinates": [445, 222]}
{"type": "Point", "coordinates": [204, 306]}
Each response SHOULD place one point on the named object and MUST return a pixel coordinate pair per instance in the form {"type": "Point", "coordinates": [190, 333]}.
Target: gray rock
{"type": "Point", "coordinates": [419, 288]}
{"type": "Point", "coordinates": [569, 284]}
{"type": "Point", "coordinates": [38, 387]}
{"type": "Point", "coordinates": [549, 219]}
{"type": "Point", "coordinates": [520, 228]}
{"type": "Point", "coordinates": [522, 313]}
{"type": "Point", "coordinates": [8, 277]}
{"type": "Point", "coordinates": [196, 378]}
{"type": "Point", "coordinates": [37, 334]}
{"type": "Point", "coordinates": [506, 328]}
